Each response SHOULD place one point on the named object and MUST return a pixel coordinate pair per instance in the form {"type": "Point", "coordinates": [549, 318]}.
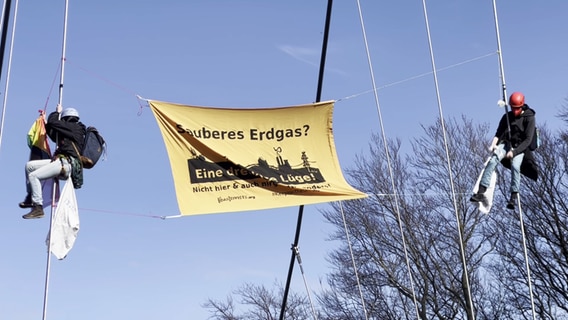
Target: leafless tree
{"type": "Point", "coordinates": [545, 221]}
{"type": "Point", "coordinates": [421, 273]}
{"type": "Point", "coordinates": [260, 303]}
{"type": "Point", "coordinates": [494, 243]}
{"type": "Point", "coordinates": [427, 202]}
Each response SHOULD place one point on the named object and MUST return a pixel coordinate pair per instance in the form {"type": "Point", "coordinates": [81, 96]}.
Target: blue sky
{"type": "Point", "coordinates": [127, 264]}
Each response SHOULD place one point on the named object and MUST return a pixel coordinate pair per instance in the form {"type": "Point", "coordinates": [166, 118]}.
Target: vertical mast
{"type": "Point", "coordinates": [60, 102]}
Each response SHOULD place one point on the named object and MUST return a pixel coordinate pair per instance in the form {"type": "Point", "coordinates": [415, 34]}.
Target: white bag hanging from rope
{"type": "Point", "coordinates": [65, 225]}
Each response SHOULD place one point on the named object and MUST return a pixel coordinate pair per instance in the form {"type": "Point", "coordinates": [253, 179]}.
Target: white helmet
{"type": "Point", "coordinates": [70, 112]}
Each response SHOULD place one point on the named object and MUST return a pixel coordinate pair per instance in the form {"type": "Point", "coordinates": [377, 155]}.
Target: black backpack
{"type": "Point", "coordinates": [93, 147]}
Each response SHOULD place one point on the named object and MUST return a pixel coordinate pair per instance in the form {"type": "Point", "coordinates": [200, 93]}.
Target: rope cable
{"type": "Point", "coordinates": [3, 22]}
{"type": "Point", "coordinates": [526, 257]}
{"type": "Point", "coordinates": [299, 259]}
{"type": "Point", "coordinates": [390, 84]}
{"type": "Point", "coordinates": [55, 183]}
{"type": "Point", "coordinates": [503, 86]}
{"type": "Point", "coordinates": [301, 207]}
{"type": "Point", "coordinates": [96, 75]}
{"type": "Point", "coordinates": [353, 260]}
{"type": "Point", "coordinates": [133, 214]}
{"type": "Point", "coordinates": [418, 76]}
{"type": "Point", "coordinates": [470, 309]}
{"type": "Point", "coordinates": [387, 154]}
{"type": "Point", "coordinates": [163, 217]}
{"type": "Point", "coordinates": [501, 67]}
{"type": "Point", "coordinates": [51, 87]}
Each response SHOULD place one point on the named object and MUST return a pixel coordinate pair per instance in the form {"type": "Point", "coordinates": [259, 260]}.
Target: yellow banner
{"type": "Point", "coordinates": [226, 160]}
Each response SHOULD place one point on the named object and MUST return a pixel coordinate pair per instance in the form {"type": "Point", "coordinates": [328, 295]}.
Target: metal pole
{"type": "Point", "coordinates": [56, 185]}
{"type": "Point", "coordinates": [470, 307]}
{"type": "Point", "coordinates": [502, 74]}
{"type": "Point", "coordinates": [301, 209]}
{"type": "Point", "coordinates": [501, 67]}
{"type": "Point", "coordinates": [62, 75]}
{"type": "Point", "coordinates": [4, 22]}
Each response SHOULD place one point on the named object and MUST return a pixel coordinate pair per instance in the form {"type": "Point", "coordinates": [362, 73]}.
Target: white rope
{"type": "Point", "coordinates": [51, 220]}
{"type": "Point", "coordinates": [385, 143]}
{"type": "Point", "coordinates": [471, 308]}
{"type": "Point", "coordinates": [4, 105]}
{"type": "Point", "coordinates": [4, 102]}
{"type": "Point", "coordinates": [423, 194]}
{"type": "Point", "coordinates": [299, 259]}
{"type": "Point", "coordinates": [418, 76]}
{"type": "Point", "coordinates": [353, 260]}
{"type": "Point", "coordinates": [526, 256]}
{"type": "Point", "coordinates": [500, 55]}
{"type": "Point", "coordinates": [504, 88]}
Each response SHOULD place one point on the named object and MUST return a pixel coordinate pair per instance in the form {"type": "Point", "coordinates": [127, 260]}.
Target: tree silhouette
{"type": "Point", "coordinates": [413, 191]}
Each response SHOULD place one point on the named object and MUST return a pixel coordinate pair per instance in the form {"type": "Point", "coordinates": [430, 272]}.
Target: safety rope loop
{"type": "Point", "coordinates": [140, 109]}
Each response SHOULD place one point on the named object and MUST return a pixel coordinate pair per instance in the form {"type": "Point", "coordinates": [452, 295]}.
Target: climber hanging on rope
{"type": "Point", "coordinates": [69, 133]}
{"type": "Point", "coordinates": [511, 147]}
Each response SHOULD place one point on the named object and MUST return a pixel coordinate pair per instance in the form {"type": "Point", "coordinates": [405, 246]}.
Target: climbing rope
{"type": "Point", "coordinates": [388, 158]}
{"type": "Point", "coordinates": [417, 76]}
{"type": "Point", "coordinates": [299, 259]}
{"type": "Point", "coordinates": [504, 88]}
{"type": "Point", "coordinates": [470, 308]}
{"type": "Point", "coordinates": [53, 194]}
{"type": "Point", "coordinates": [353, 260]}
{"type": "Point", "coordinates": [2, 22]}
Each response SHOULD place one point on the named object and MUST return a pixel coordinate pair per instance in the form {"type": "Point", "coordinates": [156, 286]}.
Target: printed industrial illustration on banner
{"type": "Point", "coordinates": [226, 160]}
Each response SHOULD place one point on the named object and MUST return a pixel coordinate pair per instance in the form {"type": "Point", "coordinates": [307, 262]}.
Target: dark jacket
{"type": "Point", "coordinates": [523, 129]}
{"type": "Point", "coordinates": [65, 132]}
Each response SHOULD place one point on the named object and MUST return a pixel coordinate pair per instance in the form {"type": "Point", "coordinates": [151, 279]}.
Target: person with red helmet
{"type": "Point", "coordinates": [510, 146]}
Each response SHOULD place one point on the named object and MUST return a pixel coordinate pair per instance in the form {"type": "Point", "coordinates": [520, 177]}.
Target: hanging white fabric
{"type": "Point", "coordinates": [485, 206]}
{"type": "Point", "coordinates": [65, 225]}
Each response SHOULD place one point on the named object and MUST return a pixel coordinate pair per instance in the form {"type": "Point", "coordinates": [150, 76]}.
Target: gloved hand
{"type": "Point", "coordinates": [493, 145]}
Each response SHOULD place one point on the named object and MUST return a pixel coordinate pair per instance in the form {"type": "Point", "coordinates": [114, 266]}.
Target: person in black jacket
{"type": "Point", "coordinates": [510, 145]}
{"type": "Point", "coordinates": [68, 132]}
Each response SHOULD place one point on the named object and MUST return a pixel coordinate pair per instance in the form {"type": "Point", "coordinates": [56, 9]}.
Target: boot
{"type": "Point", "coordinates": [512, 200]}
{"type": "Point", "coordinates": [27, 203]}
{"type": "Point", "coordinates": [36, 213]}
{"type": "Point", "coordinates": [479, 196]}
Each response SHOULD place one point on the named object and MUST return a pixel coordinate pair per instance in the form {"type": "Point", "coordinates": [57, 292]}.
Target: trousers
{"type": "Point", "coordinates": [499, 154]}
{"type": "Point", "coordinates": [38, 170]}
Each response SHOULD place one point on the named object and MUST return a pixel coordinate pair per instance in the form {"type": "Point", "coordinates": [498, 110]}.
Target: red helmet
{"type": "Point", "coordinates": [517, 99]}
